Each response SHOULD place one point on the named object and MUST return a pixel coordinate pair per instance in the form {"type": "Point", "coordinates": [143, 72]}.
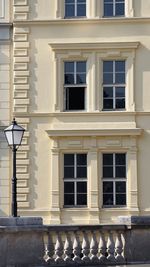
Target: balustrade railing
{"type": "Point", "coordinates": [84, 245]}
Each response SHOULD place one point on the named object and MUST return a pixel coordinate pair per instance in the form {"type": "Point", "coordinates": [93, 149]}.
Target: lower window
{"type": "Point", "coordinates": [114, 179]}
{"type": "Point", "coordinates": [75, 179]}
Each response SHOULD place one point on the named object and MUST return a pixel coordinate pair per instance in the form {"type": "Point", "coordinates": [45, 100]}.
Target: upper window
{"type": "Point", "coordinates": [75, 8]}
{"type": "Point", "coordinates": [74, 85]}
{"type": "Point", "coordinates": [75, 179]}
{"type": "Point", "coordinates": [114, 179]}
{"type": "Point", "coordinates": [114, 84]}
{"type": "Point", "coordinates": [114, 8]}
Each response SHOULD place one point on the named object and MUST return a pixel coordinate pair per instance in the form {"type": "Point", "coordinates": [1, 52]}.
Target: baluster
{"type": "Point", "coordinates": [110, 247]}
{"type": "Point", "coordinates": [67, 249]}
{"type": "Point", "coordinates": [93, 249]}
{"type": "Point", "coordinates": [85, 248]}
{"type": "Point", "coordinates": [46, 256]}
{"type": "Point", "coordinates": [76, 249]}
{"type": "Point", "coordinates": [58, 249]}
{"type": "Point", "coordinates": [102, 248]}
{"type": "Point", "coordinates": [119, 248]}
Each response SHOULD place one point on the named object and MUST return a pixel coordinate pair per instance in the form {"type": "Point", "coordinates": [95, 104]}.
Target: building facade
{"type": "Point", "coordinates": [5, 107]}
{"type": "Point", "coordinates": [80, 72]}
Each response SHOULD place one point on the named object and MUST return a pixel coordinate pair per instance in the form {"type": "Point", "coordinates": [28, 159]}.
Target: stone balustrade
{"type": "Point", "coordinates": [84, 245]}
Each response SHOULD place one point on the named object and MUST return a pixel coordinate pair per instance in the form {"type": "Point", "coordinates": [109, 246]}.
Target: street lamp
{"type": "Point", "coordinates": [14, 134]}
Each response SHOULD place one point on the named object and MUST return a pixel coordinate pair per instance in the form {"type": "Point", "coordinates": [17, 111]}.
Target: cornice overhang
{"type": "Point", "coordinates": [94, 46]}
{"type": "Point", "coordinates": [93, 132]}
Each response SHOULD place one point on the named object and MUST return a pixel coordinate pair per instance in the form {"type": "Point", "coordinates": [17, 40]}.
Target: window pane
{"type": "Point", "coordinates": [69, 78]}
{"type": "Point", "coordinates": [107, 66]}
{"type": "Point", "coordinates": [120, 159]}
{"type": "Point", "coordinates": [81, 159]}
{"type": "Point", "coordinates": [69, 199]}
{"type": "Point", "coordinates": [81, 78]}
{"type": "Point", "coordinates": [107, 159]}
{"type": "Point", "coordinates": [108, 10]}
{"type": "Point", "coordinates": [81, 66]}
{"type": "Point", "coordinates": [69, 159]}
{"type": "Point", "coordinates": [81, 1]}
{"type": "Point", "coordinates": [108, 172]}
{"type": "Point", "coordinates": [107, 78]}
{"type": "Point", "coordinates": [108, 103]}
{"type": "Point", "coordinates": [68, 187]}
{"type": "Point", "coordinates": [107, 199]}
{"type": "Point", "coordinates": [120, 78]}
{"type": "Point", "coordinates": [73, 95]}
{"type": "Point", "coordinates": [68, 172]}
{"type": "Point", "coordinates": [120, 199]}
{"type": "Point", "coordinates": [81, 199]}
{"type": "Point", "coordinates": [81, 187]}
{"type": "Point", "coordinates": [120, 9]}
{"type": "Point", "coordinates": [120, 187]}
{"type": "Point", "coordinates": [81, 172]}
{"type": "Point", "coordinates": [69, 67]}
{"type": "Point", "coordinates": [81, 10]}
{"type": "Point", "coordinates": [120, 103]}
{"type": "Point", "coordinates": [120, 91]}
{"type": "Point", "coordinates": [121, 172]}
{"type": "Point", "coordinates": [108, 92]}
{"type": "Point", "coordinates": [69, 10]}
{"type": "Point", "coordinates": [120, 66]}
{"type": "Point", "coordinates": [108, 187]}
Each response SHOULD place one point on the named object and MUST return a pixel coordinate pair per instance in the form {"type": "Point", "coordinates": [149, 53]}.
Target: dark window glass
{"type": "Point", "coordinates": [81, 199]}
{"type": "Point", "coordinates": [69, 78]}
{"type": "Point", "coordinates": [75, 98]}
{"type": "Point", "coordinates": [81, 159]}
{"type": "Point", "coordinates": [81, 78]}
{"type": "Point", "coordinates": [81, 172]}
{"type": "Point", "coordinates": [81, 66]}
{"type": "Point", "coordinates": [81, 10]}
{"type": "Point", "coordinates": [120, 9]}
{"type": "Point", "coordinates": [120, 159]}
{"type": "Point", "coordinates": [107, 199]}
{"type": "Point", "coordinates": [120, 91]}
{"type": "Point", "coordinates": [120, 199]}
{"type": "Point", "coordinates": [120, 66]}
{"type": "Point", "coordinates": [108, 10]}
{"type": "Point", "coordinates": [108, 187]}
{"type": "Point", "coordinates": [120, 103]}
{"type": "Point", "coordinates": [108, 172]}
{"type": "Point", "coordinates": [120, 78]}
{"type": "Point", "coordinates": [69, 199]}
{"type": "Point", "coordinates": [120, 172]}
{"type": "Point", "coordinates": [68, 187]}
{"type": "Point", "coordinates": [107, 159]}
{"type": "Point", "coordinates": [108, 103]}
{"type": "Point", "coordinates": [107, 66]}
{"type": "Point", "coordinates": [81, 187]}
{"type": "Point", "coordinates": [108, 92]}
{"type": "Point", "coordinates": [69, 11]}
{"type": "Point", "coordinates": [69, 172]}
{"type": "Point", "coordinates": [69, 159]}
{"type": "Point", "coordinates": [121, 187]}
{"type": "Point", "coordinates": [108, 78]}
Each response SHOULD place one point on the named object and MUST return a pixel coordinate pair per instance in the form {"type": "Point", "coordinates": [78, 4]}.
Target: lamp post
{"type": "Point", "coordinates": [14, 134]}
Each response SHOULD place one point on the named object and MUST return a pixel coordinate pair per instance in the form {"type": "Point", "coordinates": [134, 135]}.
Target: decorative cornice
{"type": "Point", "coordinates": [94, 46]}
{"type": "Point", "coordinates": [93, 132]}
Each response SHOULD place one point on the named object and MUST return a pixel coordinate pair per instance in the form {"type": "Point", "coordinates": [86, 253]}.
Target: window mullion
{"type": "Point", "coordinates": [75, 8]}
{"type": "Point", "coordinates": [75, 72]}
{"type": "Point", "coordinates": [114, 7]}
{"type": "Point", "coordinates": [114, 193]}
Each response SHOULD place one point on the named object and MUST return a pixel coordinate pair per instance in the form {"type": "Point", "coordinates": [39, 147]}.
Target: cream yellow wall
{"type": "Point", "coordinates": [39, 50]}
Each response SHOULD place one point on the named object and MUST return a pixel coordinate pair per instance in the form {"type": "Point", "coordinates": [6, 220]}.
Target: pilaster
{"type": "Point", "coordinates": [21, 96]}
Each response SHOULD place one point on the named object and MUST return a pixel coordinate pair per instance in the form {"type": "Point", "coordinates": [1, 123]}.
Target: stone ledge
{"type": "Point", "coordinates": [134, 220]}
{"type": "Point", "coordinates": [21, 221]}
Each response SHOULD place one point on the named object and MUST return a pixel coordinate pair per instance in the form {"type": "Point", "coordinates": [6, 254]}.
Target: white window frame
{"type": "Point", "coordinates": [114, 9]}
{"type": "Point", "coordinates": [114, 179]}
{"type": "Point", "coordinates": [75, 85]}
{"type": "Point", "coordinates": [75, 180]}
{"type": "Point", "coordinates": [114, 85]}
{"type": "Point", "coordinates": [75, 13]}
